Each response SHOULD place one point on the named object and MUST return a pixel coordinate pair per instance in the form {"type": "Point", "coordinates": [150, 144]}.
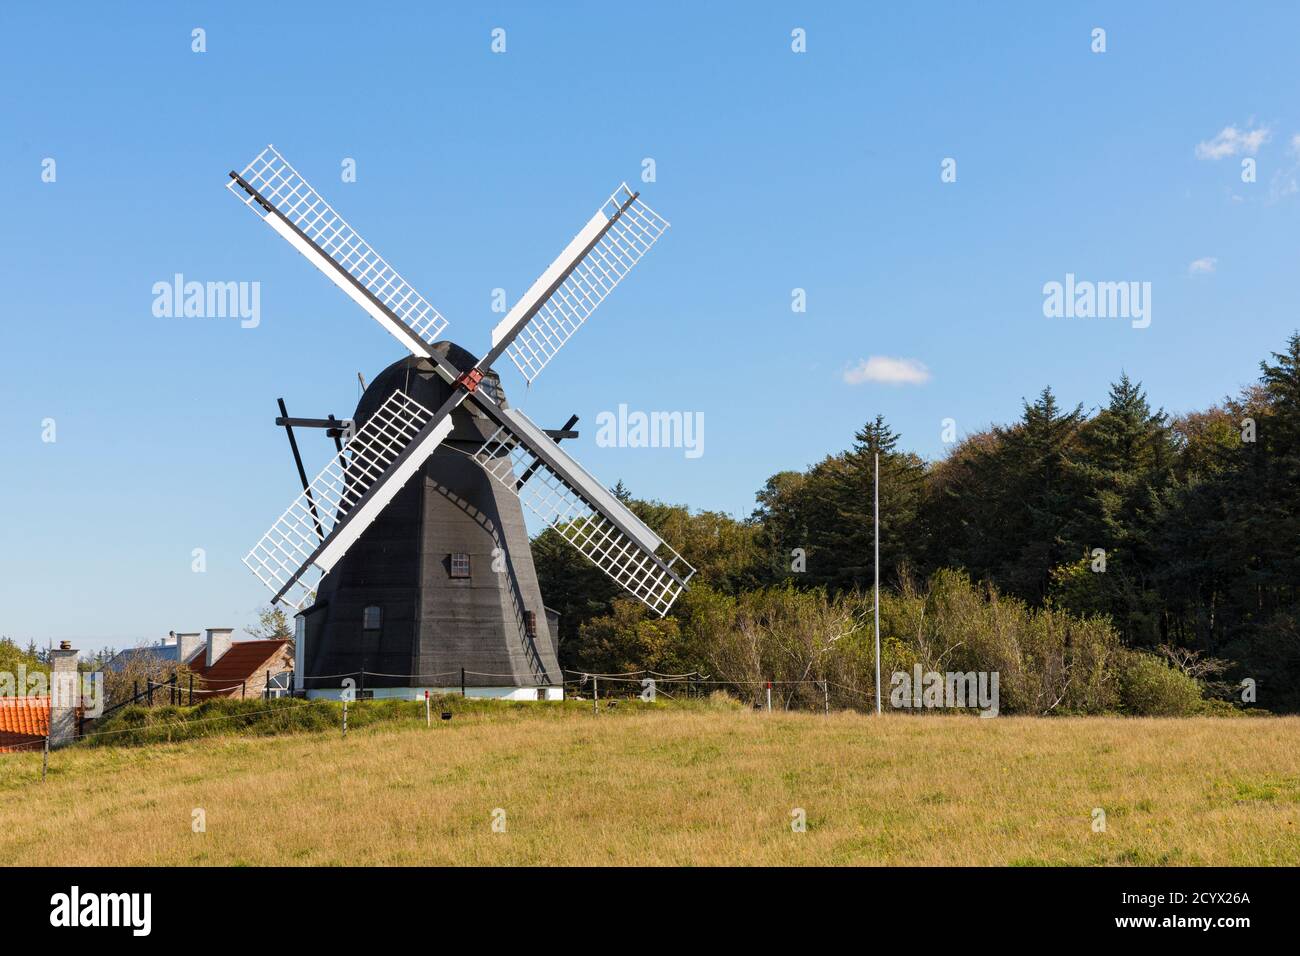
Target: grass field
{"type": "Point", "coordinates": [672, 786]}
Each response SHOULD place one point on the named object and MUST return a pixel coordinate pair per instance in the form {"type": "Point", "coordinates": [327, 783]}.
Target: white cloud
{"type": "Point", "coordinates": [890, 371]}
{"type": "Point", "coordinates": [1232, 141]}
{"type": "Point", "coordinates": [1202, 266]}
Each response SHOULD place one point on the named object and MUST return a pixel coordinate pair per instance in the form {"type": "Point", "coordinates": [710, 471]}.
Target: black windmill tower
{"type": "Point", "coordinates": [407, 557]}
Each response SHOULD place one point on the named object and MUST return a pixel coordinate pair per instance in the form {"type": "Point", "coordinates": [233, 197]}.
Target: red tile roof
{"type": "Point", "coordinates": [237, 665]}
{"type": "Point", "coordinates": [23, 722]}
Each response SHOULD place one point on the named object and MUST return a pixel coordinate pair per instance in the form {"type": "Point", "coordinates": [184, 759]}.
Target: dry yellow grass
{"type": "Point", "coordinates": [674, 787]}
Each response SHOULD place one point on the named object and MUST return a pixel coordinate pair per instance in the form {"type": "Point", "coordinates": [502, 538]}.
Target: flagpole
{"type": "Point", "coordinates": [876, 602]}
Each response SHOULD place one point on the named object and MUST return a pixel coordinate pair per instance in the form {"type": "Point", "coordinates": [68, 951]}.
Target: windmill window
{"type": "Point", "coordinates": [372, 618]}
{"type": "Point", "coordinates": [460, 565]}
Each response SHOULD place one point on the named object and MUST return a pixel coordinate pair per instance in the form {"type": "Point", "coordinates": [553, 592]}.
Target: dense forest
{"type": "Point", "coordinates": [1093, 552]}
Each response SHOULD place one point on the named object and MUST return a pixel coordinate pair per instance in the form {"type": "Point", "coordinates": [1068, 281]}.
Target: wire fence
{"type": "Point", "coordinates": [691, 684]}
{"type": "Point", "coordinates": [646, 685]}
{"type": "Point", "coordinates": [651, 684]}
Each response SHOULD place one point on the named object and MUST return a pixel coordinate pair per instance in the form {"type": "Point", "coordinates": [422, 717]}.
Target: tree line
{"type": "Point", "coordinates": [1179, 533]}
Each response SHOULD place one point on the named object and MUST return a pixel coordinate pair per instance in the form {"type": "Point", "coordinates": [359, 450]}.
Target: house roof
{"type": "Point", "coordinates": [242, 661]}
{"type": "Point", "coordinates": [164, 652]}
{"type": "Point", "coordinates": [161, 652]}
{"type": "Point", "coordinates": [24, 722]}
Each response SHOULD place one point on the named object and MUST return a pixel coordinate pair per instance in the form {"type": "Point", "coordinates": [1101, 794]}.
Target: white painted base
{"type": "Point", "coordinates": [417, 693]}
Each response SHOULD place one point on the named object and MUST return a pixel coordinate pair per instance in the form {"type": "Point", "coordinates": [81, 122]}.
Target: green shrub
{"type": "Point", "coordinates": [721, 700]}
{"type": "Point", "coordinates": [135, 725]}
{"type": "Point", "coordinates": [1149, 687]}
{"type": "Point", "coordinates": [1214, 707]}
{"type": "Point", "coordinates": [1048, 661]}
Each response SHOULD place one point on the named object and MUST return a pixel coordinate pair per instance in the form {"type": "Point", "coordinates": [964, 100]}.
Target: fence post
{"type": "Point", "coordinates": [191, 689]}
{"type": "Point", "coordinates": [595, 695]}
{"type": "Point", "coordinates": [45, 759]}
{"type": "Point", "coordinates": [462, 682]}
{"type": "Point", "coordinates": [428, 718]}
{"type": "Point", "coordinates": [149, 683]}
{"type": "Point", "coordinates": [345, 716]}
{"type": "Point", "coordinates": [172, 689]}
{"type": "Point", "coordinates": [268, 684]}
{"type": "Point", "coordinates": [135, 691]}
{"type": "Point", "coordinates": [769, 697]}
{"type": "Point", "coordinates": [243, 686]}
{"type": "Point", "coordinates": [826, 691]}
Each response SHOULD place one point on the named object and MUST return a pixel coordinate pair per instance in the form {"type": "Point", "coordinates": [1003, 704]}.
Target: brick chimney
{"type": "Point", "coordinates": [187, 645]}
{"type": "Point", "coordinates": [219, 641]}
{"type": "Point", "coordinates": [65, 694]}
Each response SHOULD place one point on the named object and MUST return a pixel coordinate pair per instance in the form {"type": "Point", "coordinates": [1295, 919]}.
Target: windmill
{"type": "Point", "coordinates": [407, 556]}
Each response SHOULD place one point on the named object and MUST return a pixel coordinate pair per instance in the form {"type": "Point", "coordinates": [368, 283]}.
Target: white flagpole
{"type": "Point", "coordinates": [877, 590]}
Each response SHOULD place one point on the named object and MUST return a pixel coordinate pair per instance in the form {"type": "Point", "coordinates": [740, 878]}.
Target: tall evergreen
{"type": "Point", "coordinates": [827, 513]}
{"type": "Point", "coordinates": [965, 498]}
{"type": "Point", "coordinates": [852, 540]}
{"type": "Point", "coordinates": [1278, 488]}
{"type": "Point", "coordinates": [1122, 468]}
{"type": "Point", "coordinates": [1039, 496]}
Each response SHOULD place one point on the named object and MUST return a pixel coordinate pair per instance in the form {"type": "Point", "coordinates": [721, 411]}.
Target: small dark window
{"type": "Point", "coordinates": [530, 623]}
{"type": "Point", "coordinates": [460, 565]}
{"type": "Point", "coordinates": [372, 618]}
{"type": "Point", "coordinates": [541, 693]}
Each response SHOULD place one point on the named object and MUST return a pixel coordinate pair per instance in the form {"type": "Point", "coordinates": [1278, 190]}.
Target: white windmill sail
{"type": "Point", "coordinates": [614, 240]}
{"type": "Point", "coordinates": [582, 511]}
{"type": "Point", "coordinates": [287, 203]}
{"type": "Point", "coordinates": [345, 498]}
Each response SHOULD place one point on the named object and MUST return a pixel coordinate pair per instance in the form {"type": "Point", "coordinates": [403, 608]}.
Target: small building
{"type": "Point", "coordinates": [222, 666]}
{"type": "Point", "coordinates": [241, 668]}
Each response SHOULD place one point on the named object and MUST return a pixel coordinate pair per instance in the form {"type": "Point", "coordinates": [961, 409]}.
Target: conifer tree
{"type": "Point", "coordinates": [1039, 496]}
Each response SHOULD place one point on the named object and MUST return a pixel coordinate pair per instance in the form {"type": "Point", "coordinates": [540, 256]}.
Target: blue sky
{"type": "Point", "coordinates": [778, 170]}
